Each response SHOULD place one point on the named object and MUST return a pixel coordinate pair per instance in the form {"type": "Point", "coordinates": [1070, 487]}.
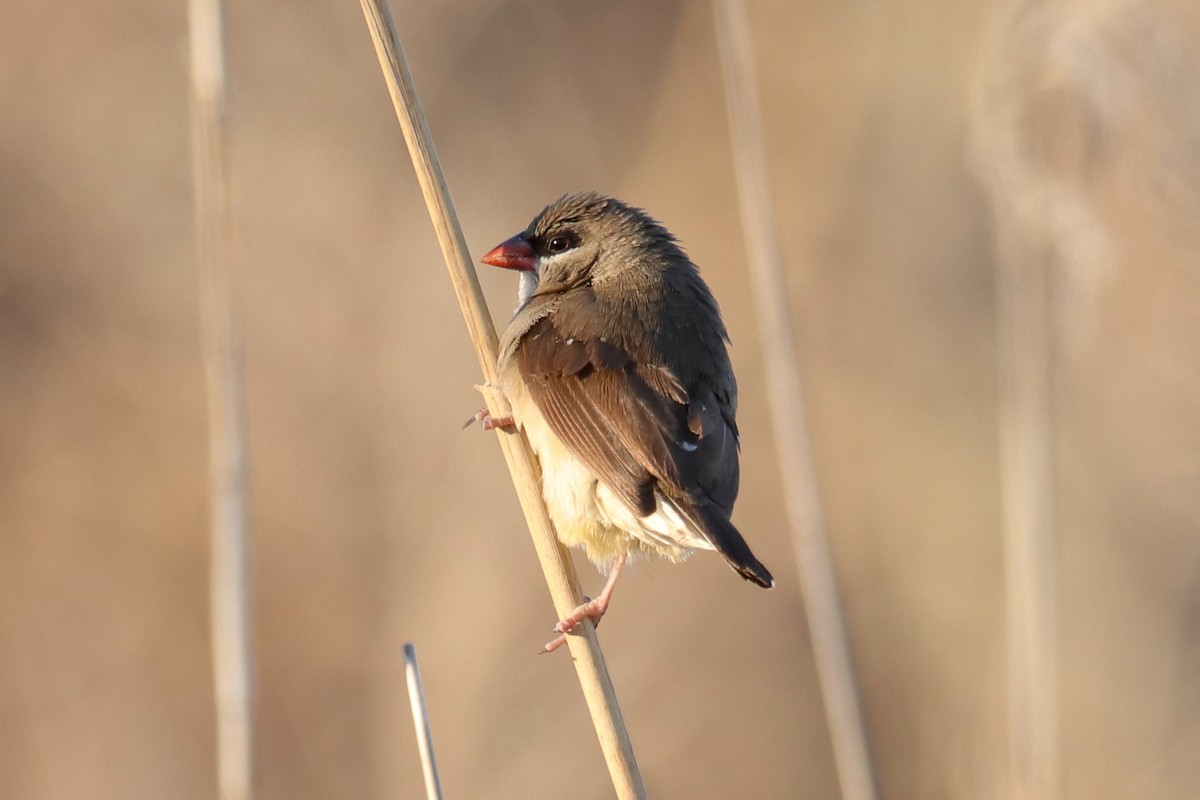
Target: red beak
{"type": "Point", "coordinates": [514, 253]}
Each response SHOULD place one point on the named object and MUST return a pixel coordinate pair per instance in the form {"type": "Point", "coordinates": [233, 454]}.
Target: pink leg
{"type": "Point", "coordinates": [488, 422]}
{"type": "Point", "coordinates": [592, 609]}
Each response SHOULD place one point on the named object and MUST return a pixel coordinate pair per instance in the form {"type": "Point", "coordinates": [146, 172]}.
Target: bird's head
{"type": "Point", "coordinates": [585, 239]}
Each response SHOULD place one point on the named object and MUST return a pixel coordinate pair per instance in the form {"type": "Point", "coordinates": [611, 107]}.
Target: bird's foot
{"type": "Point", "coordinates": [484, 417]}
{"type": "Point", "coordinates": [488, 422]}
{"type": "Point", "coordinates": [591, 609]}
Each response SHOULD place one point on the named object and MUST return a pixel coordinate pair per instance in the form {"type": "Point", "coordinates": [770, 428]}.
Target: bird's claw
{"type": "Point", "coordinates": [568, 625]}
{"type": "Point", "coordinates": [487, 421]}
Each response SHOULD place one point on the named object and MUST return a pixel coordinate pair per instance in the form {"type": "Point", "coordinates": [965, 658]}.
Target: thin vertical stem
{"type": "Point", "coordinates": [1043, 228]}
{"type": "Point", "coordinates": [1026, 478]}
{"type": "Point", "coordinates": [420, 715]}
{"type": "Point", "coordinates": [818, 580]}
{"type": "Point", "coordinates": [556, 562]}
{"type": "Point", "coordinates": [222, 347]}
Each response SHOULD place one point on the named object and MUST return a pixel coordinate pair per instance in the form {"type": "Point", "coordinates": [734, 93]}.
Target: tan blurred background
{"type": "Point", "coordinates": [913, 145]}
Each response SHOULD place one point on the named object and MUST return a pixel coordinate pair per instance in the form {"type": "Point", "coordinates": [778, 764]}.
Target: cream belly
{"type": "Point", "coordinates": [584, 511]}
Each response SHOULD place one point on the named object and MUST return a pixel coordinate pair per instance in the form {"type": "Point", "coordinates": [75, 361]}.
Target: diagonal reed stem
{"type": "Point", "coordinates": [228, 455]}
{"type": "Point", "coordinates": [556, 563]}
{"type": "Point", "coordinates": [818, 581]}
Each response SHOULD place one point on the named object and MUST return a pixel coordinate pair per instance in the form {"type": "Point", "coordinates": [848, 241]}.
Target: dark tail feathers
{"type": "Point", "coordinates": [730, 544]}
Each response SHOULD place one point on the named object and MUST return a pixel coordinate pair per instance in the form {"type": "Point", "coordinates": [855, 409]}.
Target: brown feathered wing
{"type": "Point", "coordinates": [639, 431]}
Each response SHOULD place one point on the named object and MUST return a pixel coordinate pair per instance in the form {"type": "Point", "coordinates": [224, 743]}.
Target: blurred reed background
{"type": "Point", "coordinates": [915, 148]}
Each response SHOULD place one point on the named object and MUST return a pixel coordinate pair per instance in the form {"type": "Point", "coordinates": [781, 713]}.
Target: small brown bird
{"type": "Point", "coordinates": [615, 366]}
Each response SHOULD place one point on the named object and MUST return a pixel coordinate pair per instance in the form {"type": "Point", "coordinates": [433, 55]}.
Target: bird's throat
{"type": "Point", "coordinates": [527, 286]}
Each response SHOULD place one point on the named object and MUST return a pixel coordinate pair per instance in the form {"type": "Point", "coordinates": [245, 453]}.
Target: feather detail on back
{"type": "Point", "coordinates": [669, 460]}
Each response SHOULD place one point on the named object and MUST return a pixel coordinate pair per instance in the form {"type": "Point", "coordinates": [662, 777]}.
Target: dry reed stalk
{"type": "Point", "coordinates": [1027, 492]}
{"type": "Point", "coordinates": [222, 346]}
{"type": "Point", "coordinates": [556, 562]}
{"type": "Point", "coordinates": [818, 581]}
{"type": "Point", "coordinates": [420, 715]}
{"type": "Point", "coordinates": [1036, 213]}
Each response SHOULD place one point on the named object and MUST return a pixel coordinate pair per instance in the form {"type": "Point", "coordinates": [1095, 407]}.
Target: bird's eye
{"type": "Point", "coordinates": [560, 243]}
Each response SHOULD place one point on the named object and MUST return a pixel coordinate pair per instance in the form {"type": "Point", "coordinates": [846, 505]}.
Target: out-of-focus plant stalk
{"type": "Point", "coordinates": [781, 361]}
{"type": "Point", "coordinates": [222, 346]}
{"type": "Point", "coordinates": [420, 715]}
{"type": "Point", "coordinates": [1042, 226]}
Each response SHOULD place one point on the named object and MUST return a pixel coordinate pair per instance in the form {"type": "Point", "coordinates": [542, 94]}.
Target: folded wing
{"type": "Point", "coordinates": [641, 432]}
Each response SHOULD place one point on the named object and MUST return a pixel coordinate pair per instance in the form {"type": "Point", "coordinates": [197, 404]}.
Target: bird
{"type": "Point", "coordinates": [615, 365]}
